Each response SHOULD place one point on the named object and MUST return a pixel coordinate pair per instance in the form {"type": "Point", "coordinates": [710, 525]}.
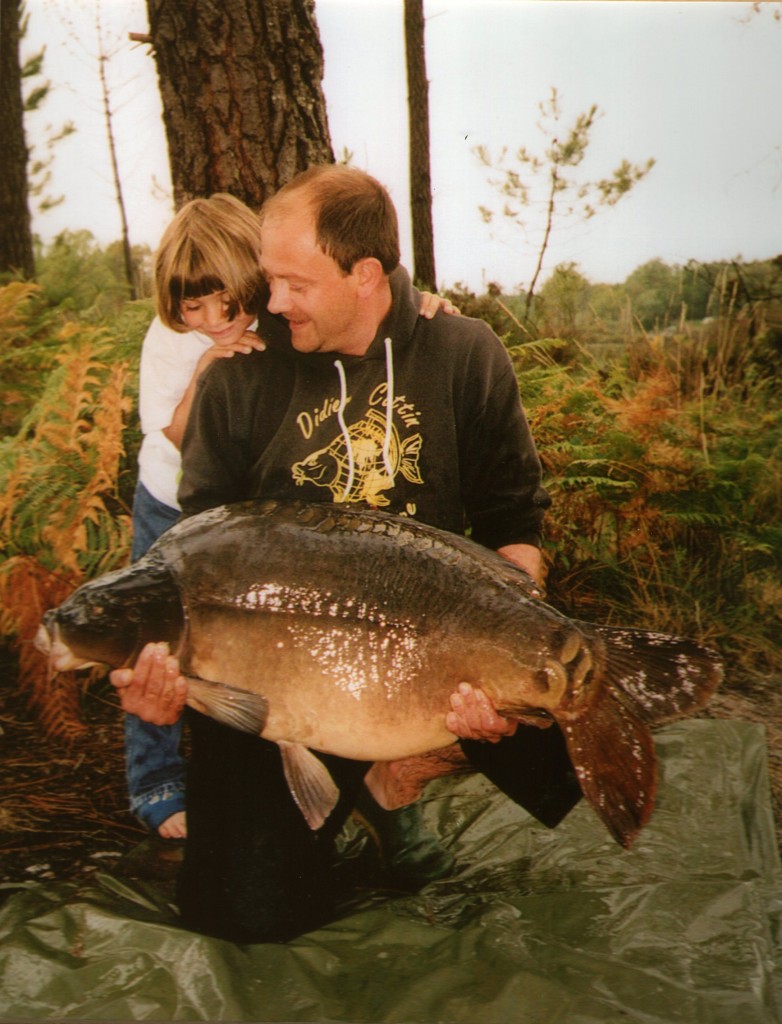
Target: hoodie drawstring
{"type": "Point", "coordinates": [389, 410]}
{"type": "Point", "coordinates": [343, 399]}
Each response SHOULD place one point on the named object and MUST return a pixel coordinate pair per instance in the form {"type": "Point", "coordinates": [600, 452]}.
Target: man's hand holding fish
{"type": "Point", "coordinates": [154, 689]}
{"type": "Point", "coordinates": [474, 717]}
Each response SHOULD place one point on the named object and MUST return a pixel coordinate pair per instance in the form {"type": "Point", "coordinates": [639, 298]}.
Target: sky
{"type": "Point", "coordinates": [695, 85]}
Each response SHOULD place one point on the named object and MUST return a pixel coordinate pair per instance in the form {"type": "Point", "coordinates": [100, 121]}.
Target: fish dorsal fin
{"type": "Point", "coordinates": [239, 709]}
{"type": "Point", "coordinates": [310, 783]}
{"type": "Point", "coordinates": [615, 762]}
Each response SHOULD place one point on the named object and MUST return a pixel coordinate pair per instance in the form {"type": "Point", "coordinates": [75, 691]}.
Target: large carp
{"type": "Point", "coordinates": [333, 629]}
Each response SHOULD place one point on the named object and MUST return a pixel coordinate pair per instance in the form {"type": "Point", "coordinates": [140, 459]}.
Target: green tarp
{"type": "Point", "coordinates": [537, 926]}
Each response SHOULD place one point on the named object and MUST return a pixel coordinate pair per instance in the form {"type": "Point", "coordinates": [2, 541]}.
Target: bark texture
{"type": "Point", "coordinates": [420, 174]}
{"type": "Point", "coordinates": [16, 244]}
{"type": "Point", "coordinates": [241, 84]}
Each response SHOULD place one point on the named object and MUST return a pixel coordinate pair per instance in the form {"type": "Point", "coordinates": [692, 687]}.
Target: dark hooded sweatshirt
{"type": "Point", "coordinates": [427, 423]}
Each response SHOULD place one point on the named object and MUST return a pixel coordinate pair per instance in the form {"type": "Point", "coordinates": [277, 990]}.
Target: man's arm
{"type": "Point", "coordinates": [528, 558]}
{"type": "Point", "coordinates": [214, 463]}
{"type": "Point", "coordinates": [501, 472]}
{"type": "Point", "coordinates": [249, 342]}
{"type": "Point", "coordinates": [506, 503]}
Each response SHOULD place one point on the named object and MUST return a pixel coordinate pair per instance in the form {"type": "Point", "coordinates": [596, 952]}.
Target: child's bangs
{"type": "Point", "coordinates": [195, 286]}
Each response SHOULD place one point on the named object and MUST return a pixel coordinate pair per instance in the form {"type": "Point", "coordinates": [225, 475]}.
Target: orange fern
{"type": "Point", "coordinates": [61, 519]}
{"type": "Point", "coordinates": [27, 590]}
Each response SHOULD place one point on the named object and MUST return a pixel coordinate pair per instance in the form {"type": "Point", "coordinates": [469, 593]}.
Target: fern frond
{"type": "Point", "coordinates": [15, 301]}
{"type": "Point", "coordinates": [27, 590]}
{"type": "Point", "coordinates": [61, 473]}
{"type": "Point", "coordinates": [28, 347]}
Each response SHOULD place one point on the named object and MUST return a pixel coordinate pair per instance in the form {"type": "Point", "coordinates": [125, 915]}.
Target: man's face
{"type": "Point", "coordinates": [307, 287]}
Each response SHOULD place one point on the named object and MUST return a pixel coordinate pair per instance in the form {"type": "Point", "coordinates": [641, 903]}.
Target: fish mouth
{"type": "Point", "coordinates": [60, 657]}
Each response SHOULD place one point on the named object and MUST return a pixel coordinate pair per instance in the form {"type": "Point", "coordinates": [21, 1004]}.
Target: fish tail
{"type": "Point", "coordinates": [614, 759]}
{"type": "Point", "coordinates": [647, 678]}
{"type": "Point", "coordinates": [663, 677]}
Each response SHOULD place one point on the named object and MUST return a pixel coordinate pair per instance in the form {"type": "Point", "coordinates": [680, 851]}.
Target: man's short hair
{"type": "Point", "coordinates": [353, 214]}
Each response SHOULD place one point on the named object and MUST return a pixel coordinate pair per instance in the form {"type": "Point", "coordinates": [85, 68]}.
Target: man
{"type": "Point", "coordinates": [367, 404]}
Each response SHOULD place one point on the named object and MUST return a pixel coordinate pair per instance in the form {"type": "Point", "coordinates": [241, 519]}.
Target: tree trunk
{"type": "Point", "coordinates": [420, 174]}
{"type": "Point", "coordinates": [16, 243]}
{"type": "Point", "coordinates": [127, 255]}
{"type": "Point", "coordinates": [243, 103]}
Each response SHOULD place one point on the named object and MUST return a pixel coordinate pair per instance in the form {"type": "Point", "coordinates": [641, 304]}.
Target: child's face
{"type": "Point", "coordinates": [209, 315]}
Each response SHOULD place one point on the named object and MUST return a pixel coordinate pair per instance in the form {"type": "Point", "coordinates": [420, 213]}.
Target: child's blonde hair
{"type": "Point", "coordinates": [211, 245]}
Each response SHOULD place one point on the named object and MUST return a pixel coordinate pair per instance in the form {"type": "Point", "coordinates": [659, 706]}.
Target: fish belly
{"type": "Point", "coordinates": [344, 687]}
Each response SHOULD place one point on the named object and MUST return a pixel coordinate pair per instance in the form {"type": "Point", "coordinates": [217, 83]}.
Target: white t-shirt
{"type": "Point", "coordinates": [168, 362]}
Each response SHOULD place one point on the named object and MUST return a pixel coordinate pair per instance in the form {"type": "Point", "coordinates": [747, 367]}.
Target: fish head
{"type": "Point", "coordinates": [557, 672]}
{"type": "Point", "coordinates": [108, 620]}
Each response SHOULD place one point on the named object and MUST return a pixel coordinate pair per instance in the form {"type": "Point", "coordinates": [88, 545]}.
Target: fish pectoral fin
{"type": "Point", "coordinates": [615, 762]}
{"type": "Point", "coordinates": [310, 783]}
{"type": "Point", "coordinates": [239, 709]}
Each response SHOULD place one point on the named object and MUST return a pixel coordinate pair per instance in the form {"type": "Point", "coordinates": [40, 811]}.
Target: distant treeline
{"type": "Point", "coordinates": [656, 297]}
{"type": "Point", "coordinates": [74, 269]}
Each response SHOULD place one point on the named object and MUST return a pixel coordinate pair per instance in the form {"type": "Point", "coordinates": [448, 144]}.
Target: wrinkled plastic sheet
{"type": "Point", "coordinates": [537, 925]}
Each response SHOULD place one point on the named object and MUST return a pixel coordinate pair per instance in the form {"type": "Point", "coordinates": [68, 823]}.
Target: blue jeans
{"type": "Point", "coordinates": [151, 518]}
{"type": "Point", "coordinates": [154, 770]}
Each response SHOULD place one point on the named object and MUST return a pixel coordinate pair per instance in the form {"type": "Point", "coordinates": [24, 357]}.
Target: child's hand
{"type": "Point", "coordinates": [431, 304]}
{"type": "Point", "coordinates": [248, 341]}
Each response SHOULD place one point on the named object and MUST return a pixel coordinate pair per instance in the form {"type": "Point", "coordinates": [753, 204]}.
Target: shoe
{"type": "Point", "coordinates": [411, 856]}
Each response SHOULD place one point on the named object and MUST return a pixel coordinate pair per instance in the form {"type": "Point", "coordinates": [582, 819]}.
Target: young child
{"type": "Point", "coordinates": [209, 296]}
{"type": "Point", "coordinates": [209, 293]}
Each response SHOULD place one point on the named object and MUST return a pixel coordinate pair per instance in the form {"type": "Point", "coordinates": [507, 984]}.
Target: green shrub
{"type": "Point", "coordinates": [665, 504]}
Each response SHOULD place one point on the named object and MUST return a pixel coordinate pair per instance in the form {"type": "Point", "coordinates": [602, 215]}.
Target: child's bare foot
{"type": "Point", "coordinates": [174, 827]}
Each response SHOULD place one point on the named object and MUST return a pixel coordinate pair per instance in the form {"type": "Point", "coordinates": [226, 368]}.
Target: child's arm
{"type": "Point", "coordinates": [175, 431]}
